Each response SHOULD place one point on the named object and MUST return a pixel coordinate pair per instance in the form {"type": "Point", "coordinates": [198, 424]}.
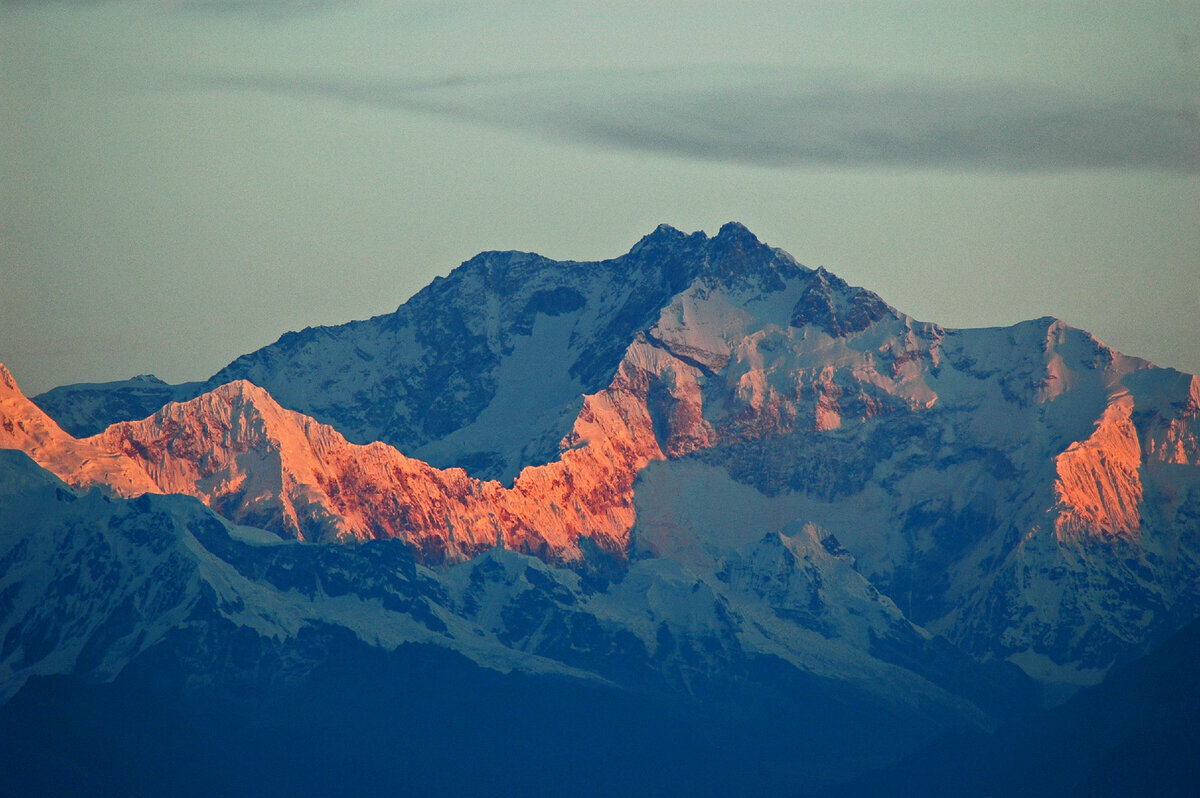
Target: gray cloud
{"type": "Point", "coordinates": [793, 120]}
{"type": "Point", "coordinates": [30, 4]}
{"type": "Point", "coordinates": [262, 8]}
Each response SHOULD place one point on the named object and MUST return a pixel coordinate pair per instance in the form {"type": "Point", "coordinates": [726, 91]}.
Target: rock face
{"type": "Point", "coordinates": [1099, 487]}
{"type": "Point", "coordinates": [660, 471]}
{"type": "Point", "coordinates": [25, 427]}
{"type": "Point", "coordinates": [260, 465]}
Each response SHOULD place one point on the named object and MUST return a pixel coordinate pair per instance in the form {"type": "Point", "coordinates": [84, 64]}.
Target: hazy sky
{"type": "Point", "coordinates": [183, 181]}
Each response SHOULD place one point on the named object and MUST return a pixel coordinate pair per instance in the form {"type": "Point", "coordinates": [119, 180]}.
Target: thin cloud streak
{"type": "Point", "coordinates": [272, 9]}
{"type": "Point", "coordinates": [788, 121]}
{"type": "Point", "coordinates": [263, 8]}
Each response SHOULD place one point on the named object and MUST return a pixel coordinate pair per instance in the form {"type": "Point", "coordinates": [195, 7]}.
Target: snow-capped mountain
{"type": "Point", "coordinates": [656, 472]}
{"type": "Point", "coordinates": [447, 378]}
{"type": "Point", "coordinates": [84, 409]}
{"type": "Point", "coordinates": [162, 595]}
{"type": "Point", "coordinates": [25, 427]}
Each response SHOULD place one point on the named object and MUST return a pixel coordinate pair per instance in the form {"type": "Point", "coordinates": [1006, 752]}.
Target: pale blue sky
{"type": "Point", "coordinates": [183, 181]}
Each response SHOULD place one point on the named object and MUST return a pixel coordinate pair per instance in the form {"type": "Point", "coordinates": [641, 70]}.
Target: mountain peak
{"type": "Point", "coordinates": [736, 231]}
{"type": "Point", "coordinates": [664, 237]}
{"type": "Point", "coordinates": [244, 389]}
{"type": "Point", "coordinates": [729, 234]}
{"type": "Point", "coordinates": [6, 379]}
{"type": "Point", "coordinates": [667, 231]}
{"type": "Point", "coordinates": [735, 255]}
{"type": "Point", "coordinates": [837, 307]}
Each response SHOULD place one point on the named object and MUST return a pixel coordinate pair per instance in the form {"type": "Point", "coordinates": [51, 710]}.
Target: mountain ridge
{"type": "Point", "coordinates": [758, 360]}
{"type": "Point", "coordinates": [661, 471]}
{"type": "Point", "coordinates": [392, 354]}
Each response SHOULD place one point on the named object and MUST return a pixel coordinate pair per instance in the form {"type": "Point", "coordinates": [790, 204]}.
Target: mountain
{"type": "Point", "coordinates": [84, 409]}
{"type": "Point", "coordinates": [23, 426]}
{"type": "Point", "coordinates": [142, 628]}
{"type": "Point", "coordinates": [730, 365]}
{"type": "Point", "coordinates": [446, 378]}
{"type": "Point", "coordinates": [259, 464]}
{"type": "Point", "coordinates": [1135, 734]}
{"type": "Point", "coordinates": [701, 473]}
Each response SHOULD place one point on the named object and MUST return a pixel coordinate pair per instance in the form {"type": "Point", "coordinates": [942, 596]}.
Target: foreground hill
{"type": "Point", "coordinates": [1138, 733]}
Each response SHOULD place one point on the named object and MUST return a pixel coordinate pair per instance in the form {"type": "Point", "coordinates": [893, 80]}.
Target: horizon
{"type": "Point", "coordinates": [186, 182]}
